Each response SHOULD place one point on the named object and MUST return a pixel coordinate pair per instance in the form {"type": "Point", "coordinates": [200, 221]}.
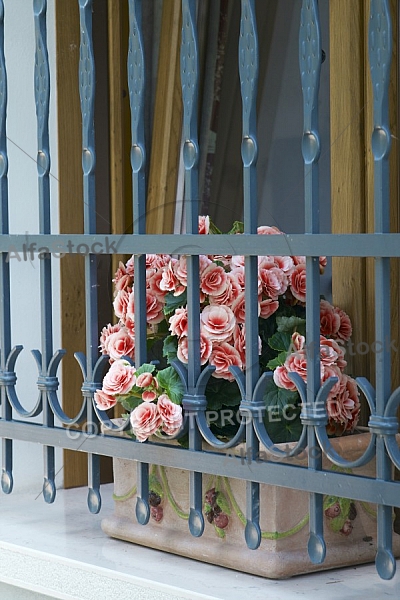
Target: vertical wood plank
{"type": "Point", "coordinates": [164, 162]}
{"type": "Point", "coordinates": [348, 188]}
{"type": "Point", "coordinates": [71, 221]}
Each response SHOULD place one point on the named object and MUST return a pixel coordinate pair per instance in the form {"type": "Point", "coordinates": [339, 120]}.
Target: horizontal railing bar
{"type": "Point", "coordinates": [237, 467]}
{"type": "Point", "coordinates": [24, 247]}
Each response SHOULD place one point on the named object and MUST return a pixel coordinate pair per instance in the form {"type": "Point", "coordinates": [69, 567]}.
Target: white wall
{"type": "Point", "coordinates": [24, 217]}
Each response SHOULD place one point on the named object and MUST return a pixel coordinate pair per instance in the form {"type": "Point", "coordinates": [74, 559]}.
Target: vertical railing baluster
{"type": "Point", "coordinates": [310, 56]}
{"type": "Point", "coordinates": [5, 312]}
{"type": "Point", "coordinates": [136, 83]}
{"type": "Point", "coordinates": [380, 53]}
{"type": "Point", "coordinates": [87, 98]}
{"type": "Point", "coordinates": [190, 83]}
{"type": "Point", "coordinates": [42, 101]}
{"type": "Point", "coordinates": [248, 70]}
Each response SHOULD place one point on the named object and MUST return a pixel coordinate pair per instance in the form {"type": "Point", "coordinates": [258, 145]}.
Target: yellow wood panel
{"type": "Point", "coordinates": [71, 220]}
{"type": "Point", "coordinates": [120, 188]}
{"type": "Point", "coordinates": [167, 125]}
{"type": "Point", "coordinates": [352, 174]}
{"type": "Point", "coordinates": [347, 162]}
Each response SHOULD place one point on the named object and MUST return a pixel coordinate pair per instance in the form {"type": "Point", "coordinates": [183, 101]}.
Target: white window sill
{"type": "Point", "coordinates": [60, 551]}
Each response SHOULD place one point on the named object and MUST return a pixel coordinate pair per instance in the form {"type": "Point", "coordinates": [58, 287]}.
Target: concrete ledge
{"type": "Point", "coordinates": [60, 551]}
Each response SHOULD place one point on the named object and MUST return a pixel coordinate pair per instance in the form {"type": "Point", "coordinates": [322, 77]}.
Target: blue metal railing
{"type": "Point", "coordinates": [383, 402]}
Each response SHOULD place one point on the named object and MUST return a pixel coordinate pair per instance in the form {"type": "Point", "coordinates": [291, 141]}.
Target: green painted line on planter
{"type": "Point", "coordinates": [233, 501]}
{"type": "Point", "coordinates": [170, 497]}
{"type": "Point", "coordinates": [370, 511]}
{"type": "Point", "coordinates": [269, 535]}
{"type": "Point", "coordinates": [284, 534]}
{"type": "Point", "coordinates": [126, 496]}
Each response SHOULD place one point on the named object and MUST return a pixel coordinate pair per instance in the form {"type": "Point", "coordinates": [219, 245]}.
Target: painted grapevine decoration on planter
{"type": "Point", "coordinates": [220, 504]}
{"type": "Point", "coordinates": [152, 396]}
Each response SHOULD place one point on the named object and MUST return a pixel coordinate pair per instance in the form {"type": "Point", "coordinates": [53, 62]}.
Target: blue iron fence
{"type": "Point", "coordinates": [383, 402]}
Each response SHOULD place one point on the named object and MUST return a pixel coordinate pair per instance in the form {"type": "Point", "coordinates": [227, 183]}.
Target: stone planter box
{"type": "Point", "coordinates": [350, 527]}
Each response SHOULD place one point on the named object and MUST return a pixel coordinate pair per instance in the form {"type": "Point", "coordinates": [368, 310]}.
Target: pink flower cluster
{"type": "Point", "coordinates": [155, 412]}
{"type": "Point", "coordinates": [222, 316]}
{"type": "Point", "coordinates": [343, 405]}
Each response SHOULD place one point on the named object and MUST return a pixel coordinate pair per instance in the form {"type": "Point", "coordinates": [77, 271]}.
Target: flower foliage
{"type": "Point", "coordinates": [153, 395]}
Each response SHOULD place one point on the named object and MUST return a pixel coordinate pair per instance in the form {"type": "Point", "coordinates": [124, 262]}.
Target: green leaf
{"type": "Point", "coordinates": [169, 380]}
{"type": "Point", "coordinates": [280, 341]}
{"type": "Point", "coordinates": [223, 503]}
{"type": "Point", "coordinates": [291, 324]}
{"type": "Point", "coordinates": [207, 508]}
{"type": "Point", "coordinates": [155, 485]}
{"type": "Point", "coordinates": [282, 417]}
{"type": "Point", "coordinates": [277, 361]}
{"type": "Point", "coordinates": [220, 532]}
{"type": "Point", "coordinates": [145, 368]}
{"type": "Point", "coordinates": [220, 392]}
{"type": "Point", "coordinates": [237, 227]}
{"type": "Point", "coordinates": [170, 347]}
{"type": "Point", "coordinates": [276, 396]}
{"type": "Point", "coordinates": [173, 302]}
{"type": "Point", "coordinates": [213, 228]}
{"type": "Point", "coordinates": [130, 402]}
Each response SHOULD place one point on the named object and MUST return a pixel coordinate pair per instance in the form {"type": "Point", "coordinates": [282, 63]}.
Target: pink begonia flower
{"type": "Point", "coordinates": [130, 266]}
{"type": "Point", "coordinates": [343, 408]}
{"type": "Point", "coordinates": [145, 380]}
{"type": "Point", "coordinates": [268, 230]}
{"type": "Point", "coordinates": [239, 340]}
{"type": "Point", "coordinates": [122, 279]}
{"type": "Point", "coordinates": [120, 378]}
{"type": "Point", "coordinates": [120, 344]}
{"type": "Point", "coordinates": [213, 280]}
{"type": "Point", "coordinates": [130, 327]}
{"type": "Point", "coordinates": [180, 270]}
{"type": "Point", "coordinates": [204, 225]}
{"type": "Point", "coordinates": [345, 328]}
{"type": "Point", "coordinates": [239, 275]}
{"type": "Point", "coordinates": [154, 308]}
{"type": "Point", "coordinates": [204, 262]}
{"type": "Point", "coordinates": [217, 322]}
{"type": "Point", "coordinates": [222, 357]}
{"type": "Point", "coordinates": [178, 323]}
{"type": "Point", "coordinates": [237, 261]}
{"type": "Point", "coordinates": [231, 292]}
{"type": "Point", "coordinates": [323, 261]}
{"type": "Point", "coordinates": [205, 349]}
{"type": "Point", "coordinates": [297, 363]}
{"type": "Point", "coordinates": [104, 401]}
{"type": "Point", "coordinates": [151, 261]}
{"type": "Point", "coordinates": [238, 308]}
{"type": "Point", "coordinates": [169, 280]}
{"type": "Point", "coordinates": [329, 319]}
{"type": "Point", "coordinates": [331, 352]}
{"type": "Point", "coordinates": [298, 282]}
{"type": "Point", "coordinates": [274, 282]}
{"type": "Point", "coordinates": [333, 371]}
{"type": "Point", "coordinates": [153, 282]}
{"type": "Point", "coordinates": [105, 334]}
{"type": "Point", "coordinates": [149, 396]}
{"type": "Point", "coordinates": [297, 342]}
{"type": "Point", "coordinates": [285, 263]}
{"type": "Point", "coordinates": [281, 378]}
{"type": "Point", "coordinates": [171, 415]}
{"type": "Point", "coordinates": [145, 420]}
{"type": "Point", "coordinates": [121, 304]}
